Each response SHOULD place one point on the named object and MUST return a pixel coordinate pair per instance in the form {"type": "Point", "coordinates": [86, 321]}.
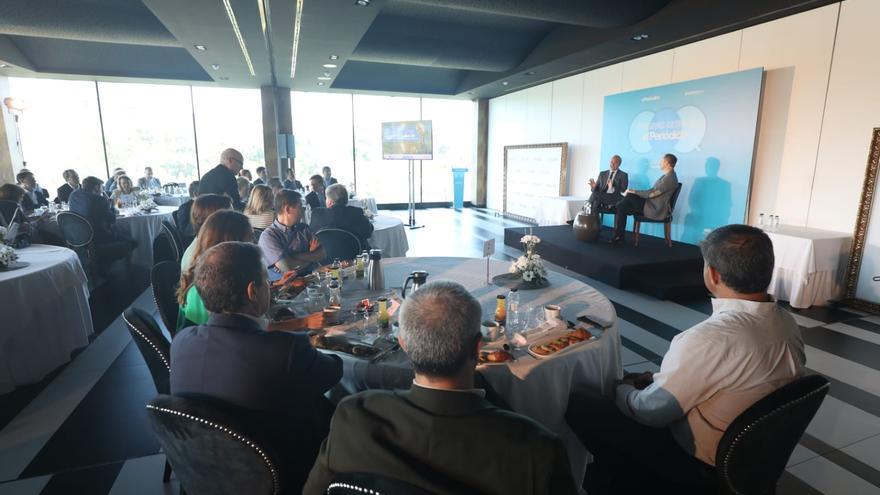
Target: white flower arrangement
{"type": "Point", "coordinates": [368, 213]}
{"type": "Point", "coordinates": [7, 255]}
{"type": "Point", "coordinates": [529, 266]}
{"type": "Point", "coordinates": [147, 205]}
{"type": "Point", "coordinates": [2, 233]}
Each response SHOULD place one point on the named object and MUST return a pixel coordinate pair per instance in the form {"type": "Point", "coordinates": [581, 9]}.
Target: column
{"type": "Point", "coordinates": [277, 119]}
{"type": "Point", "coordinates": [482, 150]}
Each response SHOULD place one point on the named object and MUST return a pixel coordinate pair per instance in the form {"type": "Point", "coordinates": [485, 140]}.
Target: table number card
{"type": "Point", "coordinates": [489, 247]}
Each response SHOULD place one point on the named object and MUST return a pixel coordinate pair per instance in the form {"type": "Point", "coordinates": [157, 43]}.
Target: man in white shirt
{"type": "Point", "coordinates": [667, 425]}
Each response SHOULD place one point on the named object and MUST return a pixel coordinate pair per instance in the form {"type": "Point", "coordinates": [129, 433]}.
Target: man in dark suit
{"type": "Point", "coordinates": [182, 215]}
{"type": "Point", "coordinates": [277, 376]}
{"type": "Point", "coordinates": [652, 203]}
{"type": "Point", "coordinates": [338, 215]}
{"type": "Point", "coordinates": [71, 183]}
{"type": "Point", "coordinates": [329, 180]}
{"type": "Point", "coordinates": [262, 177]}
{"type": "Point", "coordinates": [90, 203]}
{"type": "Point", "coordinates": [442, 435]}
{"type": "Point", "coordinates": [221, 179]}
{"type": "Point", "coordinates": [291, 183]}
{"type": "Point", "coordinates": [608, 190]}
{"type": "Point", "coordinates": [34, 197]}
{"type": "Point", "coordinates": [316, 198]}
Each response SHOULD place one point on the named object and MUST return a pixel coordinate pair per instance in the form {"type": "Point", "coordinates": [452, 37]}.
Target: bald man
{"type": "Point", "coordinates": [221, 179]}
{"type": "Point", "coordinates": [609, 189]}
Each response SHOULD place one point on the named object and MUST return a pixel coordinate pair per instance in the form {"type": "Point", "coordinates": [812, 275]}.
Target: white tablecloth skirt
{"type": "Point", "coordinates": [809, 265]}
{"type": "Point", "coordinates": [143, 229]}
{"type": "Point", "coordinates": [389, 235]}
{"type": "Point", "coordinates": [558, 209]}
{"type": "Point", "coordinates": [45, 308]}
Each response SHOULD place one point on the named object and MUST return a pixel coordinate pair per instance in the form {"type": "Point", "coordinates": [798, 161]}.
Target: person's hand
{"type": "Point", "coordinates": [314, 245]}
{"type": "Point", "coordinates": [592, 183]}
{"type": "Point", "coordinates": [640, 381]}
{"type": "Point", "coordinates": [629, 191]}
{"type": "Point", "coordinates": [315, 321]}
{"type": "Point", "coordinates": [285, 279]}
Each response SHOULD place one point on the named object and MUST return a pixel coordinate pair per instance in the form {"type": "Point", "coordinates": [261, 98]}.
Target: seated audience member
{"type": "Point", "coordinates": [260, 209]}
{"type": "Point", "coordinates": [339, 215]}
{"type": "Point", "coordinates": [71, 183]}
{"type": "Point", "coordinates": [608, 190]}
{"type": "Point", "coordinates": [667, 425]}
{"type": "Point", "coordinates": [262, 177]}
{"type": "Point", "coordinates": [202, 208]}
{"type": "Point", "coordinates": [442, 435]}
{"type": "Point", "coordinates": [11, 210]}
{"type": "Point", "coordinates": [110, 186]}
{"type": "Point", "coordinates": [220, 226]}
{"type": "Point", "coordinates": [316, 198]}
{"type": "Point", "coordinates": [34, 197]}
{"type": "Point", "coordinates": [244, 189]}
{"type": "Point", "coordinates": [276, 379]}
{"type": "Point", "coordinates": [287, 243]}
{"type": "Point", "coordinates": [291, 183]}
{"type": "Point", "coordinates": [246, 174]}
{"type": "Point", "coordinates": [124, 194]}
{"type": "Point", "coordinates": [221, 179]}
{"type": "Point", "coordinates": [275, 185]}
{"type": "Point", "coordinates": [184, 226]}
{"type": "Point", "coordinates": [90, 203]}
{"type": "Point", "coordinates": [653, 203]}
{"type": "Point", "coordinates": [148, 181]}
{"type": "Point", "coordinates": [328, 177]}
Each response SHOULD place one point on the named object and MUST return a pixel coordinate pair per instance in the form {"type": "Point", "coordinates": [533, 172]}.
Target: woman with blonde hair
{"type": "Point", "coordinates": [202, 208]}
{"type": "Point", "coordinates": [244, 188]}
{"type": "Point", "coordinates": [124, 194]}
{"type": "Point", "coordinates": [260, 209]}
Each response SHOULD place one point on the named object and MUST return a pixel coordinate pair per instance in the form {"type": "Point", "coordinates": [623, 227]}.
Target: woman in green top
{"type": "Point", "coordinates": [221, 226]}
{"type": "Point", "coordinates": [202, 208]}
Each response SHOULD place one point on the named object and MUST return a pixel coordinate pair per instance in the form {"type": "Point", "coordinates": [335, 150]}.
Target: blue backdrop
{"type": "Point", "coordinates": [710, 125]}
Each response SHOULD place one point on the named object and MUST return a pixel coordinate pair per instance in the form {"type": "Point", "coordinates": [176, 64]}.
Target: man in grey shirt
{"type": "Point", "coordinates": [652, 203]}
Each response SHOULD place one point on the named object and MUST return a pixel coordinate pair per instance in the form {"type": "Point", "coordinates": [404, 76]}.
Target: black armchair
{"type": "Point", "coordinates": [638, 220]}
{"type": "Point", "coordinates": [177, 241]}
{"type": "Point", "coordinates": [164, 278]}
{"type": "Point", "coordinates": [360, 483]}
{"type": "Point", "coordinates": [163, 249]}
{"type": "Point", "coordinates": [338, 244]}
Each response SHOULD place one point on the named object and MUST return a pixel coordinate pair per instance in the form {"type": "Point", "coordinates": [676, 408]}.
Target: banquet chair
{"type": "Point", "coordinates": [211, 449]}
{"type": "Point", "coordinates": [338, 244]}
{"type": "Point", "coordinates": [361, 483]}
{"type": "Point", "coordinates": [163, 249]}
{"type": "Point", "coordinates": [156, 351]}
{"type": "Point", "coordinates": [10, 212]}
{"type": "Point", "coordinates": [638, 220]}
{"type": "Point", "coordinates": [754, 450]}
{"type": "Point", "coordinates": [174, 234]}
{"type": "Point", "coordinates": [164, 278]}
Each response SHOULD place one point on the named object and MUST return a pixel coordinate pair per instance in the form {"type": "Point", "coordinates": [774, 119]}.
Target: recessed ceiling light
{"type": "Point", "coordinates": [640, 37]}
{"type": "Point", "coordinates": [329, 66]}
{"type": "Point", "coordinates": [327, 74]}
{"type": "Point", "coordinates": [320, 84]}
{"type": "Point", "coordinates": [201, 47]}
{"type": "Point", "coordinates": [334, 57]}
{"type": "Point", "coordinates": [224, 78]}
{"type": "Point", "coordinates": [325, 78]}
{"type": "Point", "coordinates": [362, 3]}
{"type": "Point", "coordinates": [215, 66]}
{"type": "Point", "coordinates": [504, 83]}
{"type": "Point", "coordinates": [530, 73]}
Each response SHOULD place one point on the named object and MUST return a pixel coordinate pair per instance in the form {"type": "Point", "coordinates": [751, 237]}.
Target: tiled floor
{"type": "Point", "coordinates": [84, 429]}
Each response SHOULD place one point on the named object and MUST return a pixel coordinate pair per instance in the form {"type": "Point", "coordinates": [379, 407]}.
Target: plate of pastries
{"type": "Point", "coordinates": [555, 344]}
{"type": "Point", "coordinates": [499, 356]}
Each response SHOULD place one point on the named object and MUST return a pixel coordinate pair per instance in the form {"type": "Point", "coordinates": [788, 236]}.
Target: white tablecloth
{"type": "Point", "coordinates": [365, 201]}
{"type": "Point", "coordinates": [536, 388]}
{"type": "Point", "coordinates": [45, 308]}
{"type": "Point", "coordinates": [556, 210]}
{"type": "Point", "coordinates": [143, 229]}
{"type": "Point", "coordinates": [170, 200]}
{"type": "Point", "coordinates": [389, 235]}
{"type": "Point", "coordinates": [810, 265]}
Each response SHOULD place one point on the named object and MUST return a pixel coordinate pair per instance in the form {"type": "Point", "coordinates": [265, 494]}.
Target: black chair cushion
{"type": "Point", "coordinates": [338, 244]}
{"type": "Point", "coordinates": [164, 278]}
{"type": "Point", "coordinates": [360, 483]}
{"type": "Point", "coordinates": [754, 450]}
{"type": "Point", "coordinates": [154, 347]}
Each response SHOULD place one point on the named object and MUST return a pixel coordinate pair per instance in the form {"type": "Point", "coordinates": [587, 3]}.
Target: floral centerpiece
{"type": "Point", "coordinates": [368, 213]}
{"type": "Point", "coordinates": [530, 266]}
{"type": "Point", "coordinates": [7, 256]}
{"type": "Point", "coordinates": [147, 205]}
{"type": "Point", "coordinates": [2, 234]}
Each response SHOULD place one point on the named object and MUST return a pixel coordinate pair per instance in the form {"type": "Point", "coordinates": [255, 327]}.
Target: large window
{"type": "Point", "coordinates": [454, 126]}
{"type": "Point", "coordinates": [149, 125]}
{"type": "Point", "coordinates": [322, 129]}
{"type": "Point", "coordinates": [228, 118]}
{"type": "Point", "coordinates": [59, 129]}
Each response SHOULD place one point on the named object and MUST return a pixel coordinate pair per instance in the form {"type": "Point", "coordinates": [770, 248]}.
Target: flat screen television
{"type": "Point", "coordinates": [410, 140]}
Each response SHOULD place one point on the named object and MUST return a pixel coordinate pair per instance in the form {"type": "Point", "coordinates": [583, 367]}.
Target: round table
{"type": "Point", "coordinates": [365, 202]}
{"type": "Point", "coordinates": [45, 308]}
{"type": "Point", "coordinates": [389, 235]}
{"type": "Point", "coordinates": [143, 228]}
{"type": "Point", "coordinates": [170, 199]}
{"type": "Point", "coordinates": [538, 388]}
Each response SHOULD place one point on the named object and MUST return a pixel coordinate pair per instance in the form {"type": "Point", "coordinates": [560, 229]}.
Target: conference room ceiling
{"type": "Point", "coordinates": [462, 48]}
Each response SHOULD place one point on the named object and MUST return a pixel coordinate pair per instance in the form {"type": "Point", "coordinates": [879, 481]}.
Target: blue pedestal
{"type": "Point", "coordinates": [458, 188]}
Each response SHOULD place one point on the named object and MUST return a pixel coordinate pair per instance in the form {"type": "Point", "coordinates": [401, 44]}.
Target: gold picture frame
{"type": "Point", "coordinates": [563, 175]}
{"type": "Point", "coordinates": [869, 190]}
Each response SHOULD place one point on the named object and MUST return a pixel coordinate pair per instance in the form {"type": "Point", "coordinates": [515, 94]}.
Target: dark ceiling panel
{"type": "Point", "coordinates": [366, 76]}
{"type": "Point", "coordinates": [109, 59]}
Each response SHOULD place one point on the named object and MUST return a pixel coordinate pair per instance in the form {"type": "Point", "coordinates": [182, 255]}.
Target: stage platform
{"type": "Point", "coordinates": [674, 273]}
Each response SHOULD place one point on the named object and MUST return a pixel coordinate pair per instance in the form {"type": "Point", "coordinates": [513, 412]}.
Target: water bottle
{"type": "Point", "coordinates": [513, 316]}
{"type": "Point", "coordinates": [335, 298]}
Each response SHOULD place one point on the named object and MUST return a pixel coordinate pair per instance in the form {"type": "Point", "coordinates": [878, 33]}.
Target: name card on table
{"type": "Point", "coordinates": [489, 247]}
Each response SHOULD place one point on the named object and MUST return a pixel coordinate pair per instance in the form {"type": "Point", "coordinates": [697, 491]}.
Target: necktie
{"type": "Point", "coordinates": [611, 183]}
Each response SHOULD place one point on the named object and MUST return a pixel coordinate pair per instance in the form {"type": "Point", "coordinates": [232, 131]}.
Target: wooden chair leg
{"type": "Point", "coordinates": [636, 226]}
{"type": "Point", "coordinates": [668, 228]}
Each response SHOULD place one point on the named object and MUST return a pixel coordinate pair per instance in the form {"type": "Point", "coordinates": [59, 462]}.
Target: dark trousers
{"type": "Point", "coordinates": [601, 198]}
{"type": "Point", "coordinates": [629, 457]}
{"type": "Point", "coordinates": [631, 205]}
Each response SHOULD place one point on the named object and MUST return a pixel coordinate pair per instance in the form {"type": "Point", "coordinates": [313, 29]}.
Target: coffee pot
{"type": "Point", "coordinates": [375, 276]}
{"type": "Point", "coordinates": [418, 277]}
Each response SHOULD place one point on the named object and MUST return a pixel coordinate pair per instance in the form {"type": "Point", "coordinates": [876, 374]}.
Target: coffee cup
{"type": "Point", "coordinates": [551, 312]}
{"type": "Point", "coordinates": [331, 315]}
{"type": "Point", "coordinates": [491, 330]}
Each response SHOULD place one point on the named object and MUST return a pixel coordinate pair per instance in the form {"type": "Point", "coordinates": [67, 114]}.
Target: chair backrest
{"type": "Point", "coordinates": [76, 230]}
{"type": "Point", "coordinates": [154, 347]}
{"type": "Point", "coordinates": [338, 243]}
{"type": "Point", "coordinates": [174, 217]}
{"type": "Point", "coordinates": [163, 248]}
{"type": "Point", "coordinates": [210, 449]}
{"type": "Point", "coordinates": [360, 483]}
{"type": "Point", "coordinates": [10, 213]}
{"type": "Point", "coordinates": [170, 229]}
{"type": "Point", "coordinates": [164, 279]}
{"type": "Point", "coordinates": [754, 450]}
{"type": "Point", "coordinates": [674, 199]}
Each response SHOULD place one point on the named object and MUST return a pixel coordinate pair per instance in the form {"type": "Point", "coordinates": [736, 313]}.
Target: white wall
{"type": "Point", "coordinates": [819, 106]}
